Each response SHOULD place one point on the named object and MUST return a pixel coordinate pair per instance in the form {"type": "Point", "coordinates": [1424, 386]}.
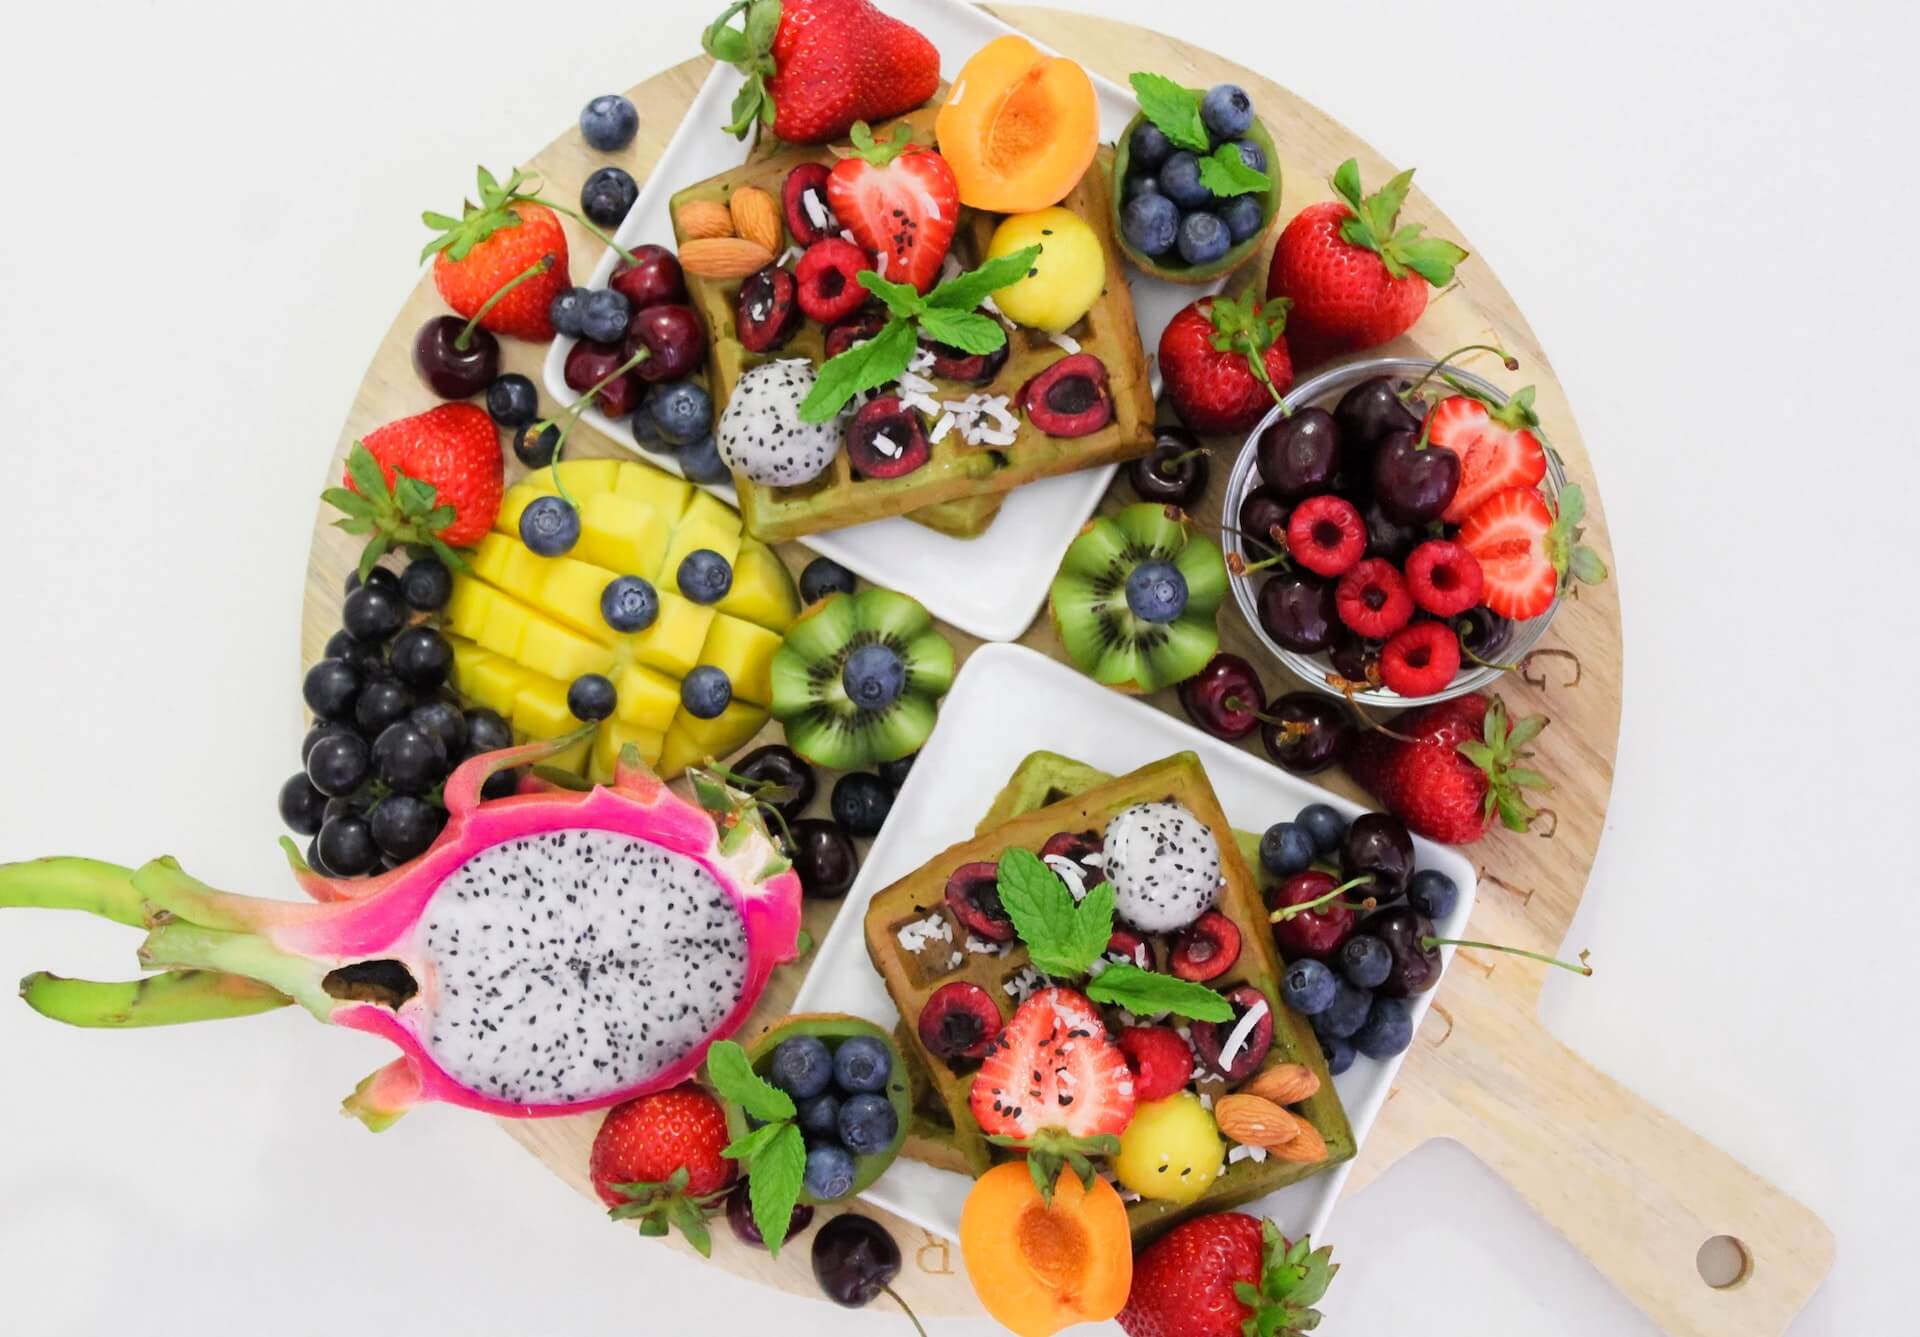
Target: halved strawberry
{"type": "Point", "coordinates": [1053, 1068]}
{"type": "Point", "coordinates": [900, 201]}
{"type": "Point", "coordinates": [1496, 445]}
{"type": "Point", "coordinates": [1528, 548]}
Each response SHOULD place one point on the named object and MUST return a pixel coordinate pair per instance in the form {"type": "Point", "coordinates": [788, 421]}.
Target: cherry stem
{"type": "Point", "coordinates": [1483, 663]}
{"type": "Point", "coordinates": [1162, 466]}
{"type": "Point", "coordinates": [907, 1308]}
{"type": "Point", "coordinates": [1507, 360]}
{"type": "Point", "coordinates": [586, 223]}
{"type": "Point", "coordinates": [1286, 912]}
{"type": "Point", "coordinates": [572, 414]}
{"type": "Point", "coordinates": [540, 266]}
{"type": "Point", "coordinates": [1428, 941]}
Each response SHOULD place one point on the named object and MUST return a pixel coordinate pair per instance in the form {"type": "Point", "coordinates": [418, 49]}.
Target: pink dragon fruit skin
{"type": "Point", "coordinates": [219, 948]}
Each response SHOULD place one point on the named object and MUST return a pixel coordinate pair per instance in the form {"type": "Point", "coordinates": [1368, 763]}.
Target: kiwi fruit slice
{"type": "Point", "coordinates": [857, 679]}
{"type": "Point", "coordinates": [1135, 599]}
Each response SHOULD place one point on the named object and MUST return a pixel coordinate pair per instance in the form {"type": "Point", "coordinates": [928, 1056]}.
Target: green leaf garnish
{"type": "Point", "coordinates": [1373, 225]}
{"type": "Point", "coordinates": [964, 292]}
{"type": "Point", "coordinates": [732, 1075]}
{"type": "Point", "coordinates": [388, 517]}
{"type": "Point", "coordinates": [865, 366]}
{"type": "Point", "coordinates": [1063, 939]}
{"type": "Point", "coordinates": [773, 1184]}
{"type": "Point", "coordinates": [1147, 994]}
{"type": "Point", "coordinates": [1173, 107]}
{"type": "Point", "coordinates": [1226, 174]}
{"type": "Point", "coordinates": [969, 331]}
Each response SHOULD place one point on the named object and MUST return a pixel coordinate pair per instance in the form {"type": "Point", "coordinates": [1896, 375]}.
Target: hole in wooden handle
{"type": "Point", "coordinates": [1724, 1262]}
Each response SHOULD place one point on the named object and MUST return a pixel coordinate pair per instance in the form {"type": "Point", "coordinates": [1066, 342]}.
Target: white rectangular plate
{"type": "Point", "coordinates": [1010, 701]}
{"type": "Point", "coordinates": [993, 585]}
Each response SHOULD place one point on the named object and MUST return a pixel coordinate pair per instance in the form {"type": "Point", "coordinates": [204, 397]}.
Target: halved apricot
{"type": "Point", "coordinates": [1018, 128]}
{"type": "Point", "coordinates": [1040, 1267]}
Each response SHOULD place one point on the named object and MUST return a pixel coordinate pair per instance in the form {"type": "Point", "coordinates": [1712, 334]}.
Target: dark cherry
{"type": "Point", "coordinates": [454, 367]}
{"type": "Point", "coordinates": [740, 1217]}
{"type": "Point", "coordinates": [1175, 471]}
{"type": "Point", "coordinates": [1354, 657]}
{"type": "Point", "coordinates": [1386, 536]}
{"type": "Point", "coordinates": [1206, 949]}
{"type": "Point", "coordinates": [1321, 931]}
{"type": "Point", "coordinates": [589, 363]}
{"type": "Point", "coordinates": [1083, 849]}
{"type": "Point", "coordinates": [654, 278]}
{"type": "Point", "coordinates": [854, 1260]}
{"type": "Point", "coordinates": [957, 364]}
{"type": "Point", "coordinates": [790, 780]}
{"type": "Point", "coordinates": [1483, 633]}
{"type": "Point", "coordinates": [1071, 398]}
{"type": "Point", "coordinates": [1306, 732]}
{"type": "Point", "coordinates": [1300, 455]}
{"type": "Point", "coordinates": [862, 324]}
{"type": "Point", "coordinates": [960, 1020]}
{"type": "Point", "coordinates": [823, 856]}
{"type": "Point", "coordinates": [973, 894]}
{"type": "Point", "coordinates": [1210, 1037]}
{"type": "Point", "coordinates": [1298, 609]}
{"type": "Point", "coordinates": [1369, 411]}
{"type": "Point", "coordinates": [1378, 845]}
{"type": "Point", "coordinates": [1411, 482]}
{"type": "Point", "coordinates": [1263, 522]}
{"type": "Point", "coordinates": [1225, 698]}
{"type": "Point", "coordinates": [767, 310]}
{"type": "Point", "coordinates": [674, 338]}
{"type": "Point", "coordinates": [1126, 945]}
{"type": "Point", "coordinates": [1408, 935]}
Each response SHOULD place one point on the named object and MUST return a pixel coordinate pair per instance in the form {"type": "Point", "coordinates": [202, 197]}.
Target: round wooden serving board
{"type": "Point", "coordinates": [1631, 1189]}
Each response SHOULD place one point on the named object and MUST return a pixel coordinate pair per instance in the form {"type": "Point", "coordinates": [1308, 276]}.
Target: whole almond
{"type": "Point", "coordinates": [1305, 1147]}
{"type": "Point", "coordinates": [724, 257]}
{"type": "Point", "coordinates": [1284, 1084]}
{"type": "Point", "coordinates": [756, 217]}
{"type": "Point", "coordinates": [1253, 1122]}
{"type": "Point", "coordinates": [704, 218]}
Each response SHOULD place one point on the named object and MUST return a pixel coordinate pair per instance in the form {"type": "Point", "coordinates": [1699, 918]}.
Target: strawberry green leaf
{"type": "Point", "coordinates": [865, 366]}
{"type": "Point", "coordinates": [763, 24]}
{"type": "Point", "coordinates": [964, 292]}
{"type": "Point", "coordinates": [1478, 753]}
{"type": "Point", "coordinates": [1586, 567]}
{"type": "Point", "coordinates": [1525, 731]}
{"type": "Point", "coordinates": [365, 472]}
{"type": "Point", "coordinates": [1373, 226]}
{"type": "Point", "coordinates": [1431, 258]}
{"type": "Point", "coordinates": [692, 1224]}
{"type": "Point", "coordinates": [880, 152]}
{"type": "Point", "coordinates": [370, 556]}
{"type": "Point", "coordinates": [1173, 107]}
{"type": "Point", "coordinates": [344, 499]}
{"type": "Point", "coordinates": [902, 299]}
{"type": "Point", "coordinates": [773, 1185]}
{"type": "Point", "coordinates": [1226, 174]}
{"type": "Point", "coordinates": [1346, 183]}
{"type": "Point", "coordinates": [1146, 993]}
{"type": "Point", "coordinates": [732, 1075]}
{"type": "Point", "coordinates": [1523, 778]}
{"type": "Point", "coordinates": [968, 331]}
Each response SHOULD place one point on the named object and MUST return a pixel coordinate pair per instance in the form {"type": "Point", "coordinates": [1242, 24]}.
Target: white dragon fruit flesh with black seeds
{"type": "Point", "coordinates": [1164, 865]}
{"type": "Point", "coordinates": [762, 436]}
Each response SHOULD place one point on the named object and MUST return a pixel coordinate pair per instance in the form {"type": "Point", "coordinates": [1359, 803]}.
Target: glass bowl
{"type": "Point", "coordinates": [1325, 390]}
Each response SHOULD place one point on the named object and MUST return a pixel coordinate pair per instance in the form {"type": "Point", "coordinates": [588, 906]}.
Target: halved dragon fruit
{"type": "Point", "coordinates": [553, 951]}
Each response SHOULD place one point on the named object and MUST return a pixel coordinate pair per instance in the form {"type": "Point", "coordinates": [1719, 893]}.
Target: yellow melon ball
{"type": "Point", "coordinates": [1171, 1151]}
{"type": "Point", "coordinates": [1067, 278]}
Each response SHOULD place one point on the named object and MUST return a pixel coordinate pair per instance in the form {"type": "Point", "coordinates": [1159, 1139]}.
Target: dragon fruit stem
{"type": "Point", "coordinates": [158, 1000]}
{"type": "Point", "coordinates": [189, 946]}
{"type": "Point", "coordinates": [380, 1100]}
{"type": "Point", "coordinates": [66, 883]}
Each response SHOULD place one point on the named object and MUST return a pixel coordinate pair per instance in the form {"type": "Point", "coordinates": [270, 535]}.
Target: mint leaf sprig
{"type": "Point", "coordinates": [1146, 994]}
{"type": "Point", "coordinates": [945, 315]}
{"type": "Point", "coordinates": [1173, 107]}
{"type": "Point", "coordinates": [1226, 174]}
{"type": "Point", "coordinates": [774, 1155]}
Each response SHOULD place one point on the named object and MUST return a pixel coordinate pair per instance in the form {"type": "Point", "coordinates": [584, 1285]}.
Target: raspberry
{"type": "Point", "coordinates": [1444, 577]}
{"type": "Point", "coordinates": [1161, 1061]}
{"type": "Point", "coordinates": [1326, 535]}
{"type": "Point", "coordinates": [829, 279]}
{"type": "Point", "coordinates": [1421, 659]}
{"type": "Point", "coordinates": [1372, 599]}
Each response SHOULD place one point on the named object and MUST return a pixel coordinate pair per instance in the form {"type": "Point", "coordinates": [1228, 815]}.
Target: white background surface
{"type": "Point", "coordinates": [1707, 213]}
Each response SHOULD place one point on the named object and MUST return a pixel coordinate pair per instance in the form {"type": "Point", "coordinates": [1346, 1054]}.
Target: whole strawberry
{"type": "Point", "coordinates": [1461, 769]}
{"type": "Point", "coordinates": [504, 258]}
{"type": "Point", "coordinates": [1225, 362]}
{"type": "Point", "coordinates": [657, 1160]}
{"type": "Point", "coordinates": [814, 67]}
{"type": "Point", "coordinates": [1355, 276]}
{"type": "Point", "coordinates": [430, 479]}
{"type": "Point", "coordinates": [1227, 1275]}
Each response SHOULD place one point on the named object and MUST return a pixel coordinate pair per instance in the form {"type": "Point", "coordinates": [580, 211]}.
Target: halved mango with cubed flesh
{"type": "Point", "coordinates": [523, 627]}
{"type": "Point", "coordinates": [1019, 128]}
{"type": "Point", "coordinates": [1040, 1267]}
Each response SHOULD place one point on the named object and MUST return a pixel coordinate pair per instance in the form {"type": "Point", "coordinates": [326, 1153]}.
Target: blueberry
{"type": "Point", "coordinates": [682, 412]}
{"type": "Point", "coordinates": [1136, 185]}
{"type": "Point", "coordinates": [895, 772]}
{"type": "Point", "coordinates": [382, 702]}
{"type": "Point", "coordinates": [867, 1123]}
{"type": "Point", "coordinates": [873, 676]}
{"type": "Point", "coordinates": [426, 585]}
{"type": "Point", "coordinates": [410, 760]}
{"type": "Point", "coordinates": [549, 526]}
{"type": "Point", "coordinates": [403, 826]}
{"type": "Point", "coordinates": [444, 721]}
{"type": "Point", "coordinates": [1339, 1054]}
{"type": "Point", "coordinates": [862, 1063]}
{"type": "Point", "coordinates": [1244, 216]}
{"type": "Point", "coordinates": [563, 312]}
{"type": "Point", "coordinates": [629, 604]}
{"type": "Point", "coordinates": [1227, 111]}
{"type": "Point", "coordinates": [1180, 181]}
{"type": "Point", "coordinates": [609, 123]}
{"type": "Point", "coordinates": [824, 576]}
{"type": "Point", "coordinates": [1203, 238]}
{"type": "Point", "coordinates": [1156, 591]}
{"type": "Point", "coordinates": [590, 697]}
{"type": "Point", "coordinates": [1308, 987]}
{"type": "Point", "coordinates": [512, 401]}
{"type": "Point", "coordinates": [301, 805]}
{"type": "Point", "coordinates": [1149, 148]}
{"type": "Point", "coordinates": [820, 1116]}
{"type": "Point", "coordinates": [801, 1066]}
{"type": "Point", "coordinates": [534, 444]}
{"type": "Point", "coordinates": [346, 847]}
{"type": "Point", "coordinates": [605, 314]}
{"type": "Point", "coordinates": [705, 692]}
{"type": "Point", "coordinates": [421, 657]}
{"type": "Point", "coordinates": [607, 196]}
{"type": "Point", "coordinates": [1365, 961]}
{"type": "Point", "coordinates": [829, 1172]}
{"type": "Point", "coordinates": [1324, 824]}
{"type": "Point", "coordinates": [1286, 849]}
{"type": "Point", "coordinates": [331, 687]}
{"type": "Point", "coordinates": [374, 612]}
{"type": "Point", "coordinates": [704, 576]}
{"type": "Point", "coordinates": [1151, 224]}
{"type": "Point", "coordinates": [1388, 1029]}
{"type": "Point", "coordinates": [1345, 1014]}
{"type": "Point", "coordinates": [486, 732]}
{"type": "Point", "coordinates": [861, 802]}
{"type": "Point", "coordinates": [701, 462]}
{"type": "Point", "coordinates": [1252, 155]}
{"type": "Point", "coordinates": [1433, 893]}
{"type": "Point", "coordinates": [339, 764]}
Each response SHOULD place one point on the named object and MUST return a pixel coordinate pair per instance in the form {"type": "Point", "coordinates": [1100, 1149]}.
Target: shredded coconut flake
{"type": "Point", "coordinates": [1245, 1153]}
{"type": "Point", "coordinates": [790, 256]}
{"type": "Point", "coordinates": [941, 428]}
{"type": "Point", "coordinates": [816, 210]}
{"type": "Point", "coordinates": [1237, 1040]}
{"type": "Point", "coordinates": [1065, 342]}
{"type": "Point", "coordinates": [1070, 873]}
{"type": "Point", "coordinates": [885, 445]}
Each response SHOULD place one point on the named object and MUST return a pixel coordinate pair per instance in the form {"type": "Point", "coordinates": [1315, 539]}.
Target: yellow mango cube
{"type": "Point", "coordinates": [549, 648]}
{"type": "Point", "coordinates": [540, 710]}
{"type": "Point", "coordinates": [490, 556]}
{"type": "Point", "coordinates": [503, 627]}
{"type": "Point", "coordinates": [645, 698]}
{"type": "Point", "coordinates": [744, 652]}
{"type": "Point", "coordinates": [707, 509]}
{"type": "Point", "coordinates": [515, 500]}
{"type": "Point", "coordinates": [611, 737]}
{"type": "Point", "coordinates": [762, 590]}
{"type": "Point", "coordinates": [582, 477]}
{"type": "Point", "coordinates": [621, 534]}
{"type": "Point", "coordinates": [725, 731]}
{"type": "Point", "coordinates": [691, 536]}
{"type": "Point", "coordinates": [667, 494]}
{"type": "Point", "coordinates": [574, 757]}
{"type": "Point", "coordinates": [570, 591]}
{"type": "Point", "coordinates": [468, 608]}
{"type": "Point", "coordinates": [496, 684]}
{"type": "Point", "coordinates": [672, 644]}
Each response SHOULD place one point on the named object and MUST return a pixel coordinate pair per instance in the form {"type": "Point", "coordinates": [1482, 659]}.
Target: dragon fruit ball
{"type": "Point", "coordinates": [1164, 865]}
{"type": "Point", "coordinates": [762, 436]}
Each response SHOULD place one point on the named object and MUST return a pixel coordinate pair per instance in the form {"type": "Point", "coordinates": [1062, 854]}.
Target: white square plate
{"type": "Point", "coordinates": [993, 585]}
{"type": "Point", "coordinates": [1010, 701]}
